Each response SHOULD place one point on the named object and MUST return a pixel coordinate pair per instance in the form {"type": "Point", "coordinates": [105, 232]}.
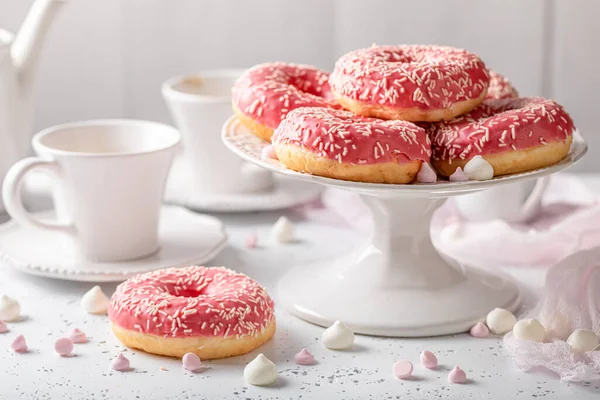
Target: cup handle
{"type": "Point", "coordinates": [532, 204]}
{"type": "Point", "coordinates": [11, 194]}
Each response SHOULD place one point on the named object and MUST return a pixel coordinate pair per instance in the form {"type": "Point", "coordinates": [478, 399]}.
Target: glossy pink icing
{"type": "Point", "coordinates": [267, 92]}
{"type": "Point", "coordinates": [346, 137]}
{"type": "Point", "coordinates": [426, 77]}
{"type": "Point", "coordinates": [500, 87]}
{"type": "Point", "coordinates": [192, 301]}
{"type": "Point", "coordinates": [501, 125]}
{"type": "Point", "coordinates": [303, 357]}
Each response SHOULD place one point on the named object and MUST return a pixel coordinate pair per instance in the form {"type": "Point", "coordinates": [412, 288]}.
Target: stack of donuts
{"type": "Point", "coordinates": [399, 114]}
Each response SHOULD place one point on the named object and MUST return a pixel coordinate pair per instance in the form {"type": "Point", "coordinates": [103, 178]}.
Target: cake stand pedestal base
{"type": "Point", "coordinates": [396, 284]}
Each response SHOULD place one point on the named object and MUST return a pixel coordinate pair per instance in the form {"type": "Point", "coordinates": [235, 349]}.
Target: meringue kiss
{"type": "Point", "coordinates": [191, 362]}
{"type": "Point", "coordinates": [304, 358]}
{"type": "Point", "coordinates": [19, 345]}
{"type": "Point", "coordinates": [457, 375]}
{"type": "Point", "coordinates": [78, 336]}
{"type": "Point", "coordinates": [95, 301]}
{"type": "Point", "coordinates": [428, 359]}
{"type": "Point", "coordinates": [426, 174]}
{"type": "Point", "coordinates": [3, 327]}
{"type": "Point", "coordinates": [261, 371]}
{"type": "Point", "coordinates": [282, 231]}
{"type": "Point", "coordinates": [338, 336]}
{"type": "Point", "coordinates": [479, 169]}
{"type": "Point", "coordinates": [10, 309]}
{"type": "Point", "coordinates": [458, 176]}
{"type": "Point", "coordinates": [479, 330]}
{"type": "Point", "coordinates": [63, 346]}
{"type": "Point", "coordinates": [120, 363]}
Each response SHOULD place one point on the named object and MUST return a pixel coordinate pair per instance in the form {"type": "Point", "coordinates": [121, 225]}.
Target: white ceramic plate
{"type": "Point", "coordinates": [285, 193]}
{"type": "Point", "coordinates": [185, 238]}
{"type": "Point", "coordinates": [242, 142]}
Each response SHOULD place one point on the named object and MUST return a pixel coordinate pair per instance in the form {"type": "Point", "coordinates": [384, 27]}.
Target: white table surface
{"type": "Point", "coordinates": [364, 372]}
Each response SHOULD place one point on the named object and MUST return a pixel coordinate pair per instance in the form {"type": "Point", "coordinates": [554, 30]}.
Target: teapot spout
{"type": "Point", "coordinates": [28, 43]}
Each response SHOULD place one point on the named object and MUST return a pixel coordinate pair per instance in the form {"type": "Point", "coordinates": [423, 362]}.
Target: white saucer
{"type": "Point", "coordinates": [186, 238]}
{"type": "Point", "coordinates": [284, 193]}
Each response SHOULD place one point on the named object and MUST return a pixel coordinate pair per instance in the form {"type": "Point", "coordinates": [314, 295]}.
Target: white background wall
{"type": "Point", "coordinates": [107, 58]}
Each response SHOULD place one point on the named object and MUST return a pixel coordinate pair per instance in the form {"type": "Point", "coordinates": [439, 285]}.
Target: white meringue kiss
{"type": "Point", "coordinates": [529, 329]}
{"type": "Point", "coordinates": [500, 321]}
{"type": "Point", "coordinates": [282, 231]}
{"type": "Point", "coordinates": [10, 309]}
{"type": "Point", "coordinates": [479, 169]}
{"type": "Point", "coordinates": [95, 301]}
{"type": "Point", "coordinates": [338, 336]}
{"type": "Point", "coordinates": [582, 340]}
{"type": "Point", "coordinates": [261, 371]}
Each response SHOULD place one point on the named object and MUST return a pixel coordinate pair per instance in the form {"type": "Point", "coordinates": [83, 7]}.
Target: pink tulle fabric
{"type": "Point", "coordinates": [570, 300]}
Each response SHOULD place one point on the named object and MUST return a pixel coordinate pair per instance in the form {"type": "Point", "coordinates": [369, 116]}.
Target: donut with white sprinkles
{"type": "Point", "coordinates": [500, 87]}
{"type": "Point", "coordinates": [265, 93]}
{"type": "Point", "coordinates": [513, 135]}
{"type": "Point", "coordinates": [410, 82]}
{"type": "Point", "coordinates": [213, 312]}
{"type": "Point", "coordinates": [339, 144]}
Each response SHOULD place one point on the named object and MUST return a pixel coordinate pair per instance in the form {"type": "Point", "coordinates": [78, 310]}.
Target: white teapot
{"type": "Point", "coordinates": [517, 202]}
{"type": "Point", "coordinates": [18, 59]}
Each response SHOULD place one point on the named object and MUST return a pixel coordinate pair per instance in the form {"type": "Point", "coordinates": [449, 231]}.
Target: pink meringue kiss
{"type": "Point", "coordinates": [457, 375]}
{"type": "Point", "coordinates": [426, 174]}
{"type": "Point", "coordinates": [78, 336]}
{"type": "Point", "coordinates": [251, 241]}
{"type": "Point", "coordinates": [3, 327]}
{"type": "Point", "coordinates": [63, 346]}
{"type": "Point", "coordinates": [428, 359]}
{"type": "Point", "coordinates": [479, 330]}
{"type": "Point", "coordinates": [120, 363]}
{"type": "Point", "coordinates": [191, 362]}
{"type": "Point", "coordinates": [268, 152]}
{"type": "Point", "coordinates": [19, 345]}
{"type": "Point", "coordinates": [402, 369]}
{"type": "Point", "coordinates": [304, 358]}
{"type": "Point", "coordinates": [458, 176]}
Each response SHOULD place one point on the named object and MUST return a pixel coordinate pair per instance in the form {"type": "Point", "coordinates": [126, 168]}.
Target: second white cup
{"type": "Point", "coordinates": [110, 177]}
{"type": "Point", "coordinates": [200, 104]}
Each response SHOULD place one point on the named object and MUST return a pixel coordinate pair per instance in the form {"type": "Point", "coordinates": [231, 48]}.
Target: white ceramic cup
{"type": "Point", "coordinates": [200, 104]}
{"type": "Point", "coordinates": [110, 177]}
{"type": "Point", "coordinates": [517, 202]}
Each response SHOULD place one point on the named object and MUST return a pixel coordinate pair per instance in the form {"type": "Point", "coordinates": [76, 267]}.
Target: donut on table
{"type": "Point", "coordinates": [513, 135]}
{"type": "Point", "coordinates": [265, 93]}
{"type": "Point", "coordinates": [212, 312]}
{"type": "Point", "coordinates": [410, 82]}
{"type": "Point", "coordinates": [500, 87]}
{"type": "Point", "coordinates": [341, 145]}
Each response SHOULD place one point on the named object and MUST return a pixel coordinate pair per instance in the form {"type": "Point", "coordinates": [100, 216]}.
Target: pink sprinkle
{"type": "Point", "coordinates": [428, 359]}
{"type": "Point", "coordinates": [251, 241]}
{"type": "Point", "coordinates": [458, 176]}
{"type": "Point", "coordinates": [304, 358]}
{"type": "Point", "coordinates": [3, 327]}
{"type": "Point", "coordinates": [479, 330]}
{"type": "Point", "coordinates": [120, 363]}
{"type": "Point", "coordinates": [78, 336]}
{"type": "Point", "coordinates": [63, 346]}
{"type": "Point", "coordinates": [19, 345]}
{"type": "Point", "coordinates": [191, 362]}
{"type": "Point", "coordinates": [402, 369]}
{"type": "Point", "coordinates": [268, 152]}
{"type": "Point", "coordinates": [457, 375]}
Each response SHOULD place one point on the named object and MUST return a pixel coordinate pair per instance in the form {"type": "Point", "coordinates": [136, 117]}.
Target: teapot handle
{"type": "Point", "coordinates": [532, 204]}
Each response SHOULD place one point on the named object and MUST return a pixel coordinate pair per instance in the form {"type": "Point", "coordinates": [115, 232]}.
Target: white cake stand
{"type": "Point", "coordinates": [396, 284]}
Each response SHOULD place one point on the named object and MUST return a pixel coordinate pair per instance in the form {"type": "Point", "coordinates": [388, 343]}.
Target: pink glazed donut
{"type": "Point", "coordinates": [265, 93]}
{"type": "Point", "coordinates": [341, 145]}
{"type": "Point", "coordinates": [410, 82]}
{"type": "Point", "coordinates": [212, 312]}
{"type": "Point", "coordinates": [500, 87]}
{"type": "Point", "coordinates": [513, 135]}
